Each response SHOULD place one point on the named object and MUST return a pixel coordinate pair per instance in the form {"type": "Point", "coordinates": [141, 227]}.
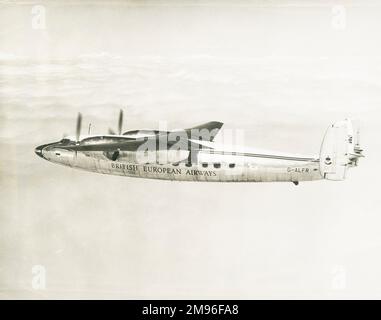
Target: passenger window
{"type": "Point", "coordinates": [204, 165]}
{"type": "Point", "coordinates": [231, 165]}
{"type": "Point", "coordinates": [217, 165]}
{"type": "Point", "coordinates": [188, 164]}
{"type": "Point", "coordinates": [175, 164]}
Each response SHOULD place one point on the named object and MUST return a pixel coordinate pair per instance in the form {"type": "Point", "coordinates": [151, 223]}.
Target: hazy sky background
{"type": "Point", "coordinates": [280, 70]}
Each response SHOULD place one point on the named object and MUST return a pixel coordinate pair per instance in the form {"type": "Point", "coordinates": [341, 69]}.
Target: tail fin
{"type": "Point", "coordinates": [340, 149]}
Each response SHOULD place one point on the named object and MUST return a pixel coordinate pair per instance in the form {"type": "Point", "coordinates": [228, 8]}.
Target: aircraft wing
{"type": "Point", "coordinates": [205, 132]}
{"type": "Point", "coordinates": [123, 146]}
{"type": "Point", "coordinates": [132, 145]}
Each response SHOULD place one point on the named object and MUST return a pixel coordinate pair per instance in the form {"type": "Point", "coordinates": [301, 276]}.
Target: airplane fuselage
{"type": "Point", "coordinates": [193, 155]}
{"type": "Point", "coordinates": [209, 167]}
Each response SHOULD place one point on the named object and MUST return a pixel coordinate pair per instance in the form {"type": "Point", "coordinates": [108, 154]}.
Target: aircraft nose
{"type": "Point", "coordinates": [38, 151]}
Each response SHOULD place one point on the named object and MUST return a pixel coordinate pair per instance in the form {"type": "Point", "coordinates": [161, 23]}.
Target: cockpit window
{"type": "Point", "coordinates": [65, 141]}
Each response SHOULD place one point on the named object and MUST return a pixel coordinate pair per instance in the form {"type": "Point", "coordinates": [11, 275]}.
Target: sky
{"type": "Point", "coordinates": [280, 71]}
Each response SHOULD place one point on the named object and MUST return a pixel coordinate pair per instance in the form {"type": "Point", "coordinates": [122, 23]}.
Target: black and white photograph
{"type": "Point", "coordinates": [190, 150]}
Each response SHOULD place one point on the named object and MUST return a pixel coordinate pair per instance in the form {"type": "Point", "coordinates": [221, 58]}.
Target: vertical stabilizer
{"type": "Point", "coordinates": [340, 149]}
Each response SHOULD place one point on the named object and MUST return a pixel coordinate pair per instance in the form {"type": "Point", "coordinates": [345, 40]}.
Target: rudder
{"type": "Point", "coordinates": [339, 151]}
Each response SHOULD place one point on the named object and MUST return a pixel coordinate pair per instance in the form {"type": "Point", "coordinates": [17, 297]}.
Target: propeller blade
{"type": "Point", "coordinates": [358, 136]}
{"type": "Point", "coordinates": [120, 123]}
{"type": "Point", "coordinates": [79, 125]}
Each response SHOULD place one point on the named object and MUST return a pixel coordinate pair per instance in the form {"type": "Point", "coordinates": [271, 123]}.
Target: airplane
{"type": "Point", "coordinates": [192, 155]}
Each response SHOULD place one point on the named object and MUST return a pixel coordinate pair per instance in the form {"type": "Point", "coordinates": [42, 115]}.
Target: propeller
{"type": "Point", "coordinates": [78, 129]}
{"type": "Point", "coordinates": [120, 124]}
{"type": "Point", "coordinates": [115, 155]}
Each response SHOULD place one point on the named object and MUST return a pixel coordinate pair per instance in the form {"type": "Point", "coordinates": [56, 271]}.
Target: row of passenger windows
{"type": "Point", "coordinates": [206, 165]}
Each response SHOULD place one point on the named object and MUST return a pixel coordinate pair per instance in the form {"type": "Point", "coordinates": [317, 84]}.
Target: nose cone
{"type": "Point", "coordinates": [38, 151]}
